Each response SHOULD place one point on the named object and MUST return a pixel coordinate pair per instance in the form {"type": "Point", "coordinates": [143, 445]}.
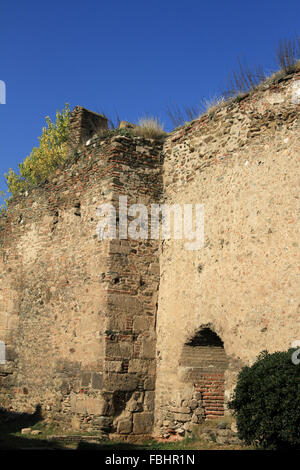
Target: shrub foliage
{"type": "Point", "coordinates": [266, 402]}
{"type": "Point", "coordinates": [51, 152]}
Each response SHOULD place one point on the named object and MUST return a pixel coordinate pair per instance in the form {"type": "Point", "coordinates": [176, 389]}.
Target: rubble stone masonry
{"type": "Point", "coordinates": [242, 162]}
{"type": "Point", "coordinates": [141, 336]}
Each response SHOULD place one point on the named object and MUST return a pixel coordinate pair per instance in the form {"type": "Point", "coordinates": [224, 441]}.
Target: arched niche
{"type": "Point", "coordinates": [204, 362]}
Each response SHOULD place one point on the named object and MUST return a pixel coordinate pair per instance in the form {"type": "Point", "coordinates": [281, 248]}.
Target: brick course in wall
{"type": "Point", "coordinates": [206, 366]}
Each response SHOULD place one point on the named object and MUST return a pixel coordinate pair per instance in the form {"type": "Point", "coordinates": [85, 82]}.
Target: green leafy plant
{"type": "Point", "coordinates": [266, 402]}
{"type": "Point", "coordinates": [41, 162]}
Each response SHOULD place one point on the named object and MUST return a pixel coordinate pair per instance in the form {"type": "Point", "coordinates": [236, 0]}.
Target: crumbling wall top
{"type": "Point", "coordinates": [84, 124]}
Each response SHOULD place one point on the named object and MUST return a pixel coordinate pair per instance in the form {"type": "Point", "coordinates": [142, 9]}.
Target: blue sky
{"type": "Point", "coordinates": [132, 57]}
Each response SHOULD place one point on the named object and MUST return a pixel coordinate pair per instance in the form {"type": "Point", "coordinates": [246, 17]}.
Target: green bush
{"type": "Point", "coordinates": [266, 402]}
{"type": "Point", "coordinates": [51, 153]}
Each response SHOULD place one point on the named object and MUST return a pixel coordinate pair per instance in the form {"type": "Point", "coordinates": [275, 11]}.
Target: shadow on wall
{"type": "Point", "coordinates": [11, 423]}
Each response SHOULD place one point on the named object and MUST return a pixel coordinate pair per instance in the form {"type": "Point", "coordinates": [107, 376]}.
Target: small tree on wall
{"type": "Point", "coordinates": [266, 401]}
{"type": "Point", "coordinates": [51, 152]}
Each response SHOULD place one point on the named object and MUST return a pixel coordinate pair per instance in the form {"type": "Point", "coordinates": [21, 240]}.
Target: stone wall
{"type": "Point", "coordinates": [84, 124]}
{"type": "Point", "coordinates": [54, 294]}
{"type": "Point", "coordinates": [78, 313]}
{"type": "Point", "coordinates": [104, 334]}
{"type": "Point", "coordinates": [133, 292]}
{"type": "Point", "coordinates": [242, 162]}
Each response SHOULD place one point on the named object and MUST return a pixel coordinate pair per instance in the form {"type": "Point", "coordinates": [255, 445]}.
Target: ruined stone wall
{"type": "Point", "coordinates": [84, 124]}
{"type": "Point", "coordinates": [205, 363]}
{"type": "Point", "coordinates": [78, 313]}
{"type": "Point", "coordinates": [104, 334]}
{"type": "Point", "coordinates": [242, 162]}
{"type": "Point", "coordinates": [54, 309]}
{"type": "Point", "coordinates": [133, 292]}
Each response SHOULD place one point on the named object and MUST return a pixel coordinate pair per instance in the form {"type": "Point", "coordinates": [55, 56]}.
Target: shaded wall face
{"type": "Point", "coordinates": [54, 298]}
{"type": "Point", "coordinates": [242, 164]}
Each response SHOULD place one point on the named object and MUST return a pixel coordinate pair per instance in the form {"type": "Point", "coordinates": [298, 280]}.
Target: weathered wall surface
{"type": "Point", "coordinates": [110, 334]}
{"type": "Point", "coordinates": [78, 313]}
{"type": "Point", "coordinates": [242, 163]}
{"type": "Point", "coordinates": [84, 124]}
{"type": "Point", "coordinates": [52, 266]}
{"type": "Point", "coordinates": [133, 292]}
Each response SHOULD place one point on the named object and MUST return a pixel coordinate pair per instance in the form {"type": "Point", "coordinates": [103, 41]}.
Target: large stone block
{"type": "Point", "coordinates": [122, 382]}
{"type": "Point", "coordinates": [148, 348]}
{"type": "Point", "coordinates": [149, 383]}
{"type": "Point", "coordinates": [97, 381]}
{"type": "Point", "coordinates": [125, 425]}
{"type": "Point", "coordinates": [142, 423]}
{"type": "Point", "coordinates": [149, 401]}
{"type": "Point", "coordinates": [140, 324]}
{"type": "Point", "coordinates": [85, 379]}
{"type": "Point", "coordinates": [142, 366]}
{"type": "Point", "coordinates": [133, 405]}
{"type": "Point", "coordinates": [126, 303]}
{"type": "Point", "coordinates": [126, 349]}
{"type": "Point", "coordinates": [88, 405]}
